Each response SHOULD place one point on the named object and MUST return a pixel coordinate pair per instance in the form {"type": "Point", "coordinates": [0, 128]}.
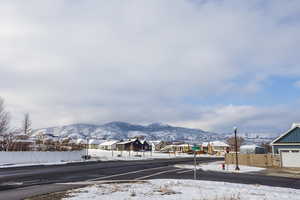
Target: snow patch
{"type": "Point", "coordinates": [217, 166]}
{"type": "Point", "coordinates": [183, 190]}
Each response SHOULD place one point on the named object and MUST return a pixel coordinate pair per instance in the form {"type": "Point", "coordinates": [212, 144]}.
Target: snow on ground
{"type": "Point", "coordinates": [102, 155]}
{"type": "Point", "coordinates": [38, 164]}
{"type": "Point", "coordinates": [31, 164]}
{"type": "Point", "coordinates": [217, 166]}
{"type": "Point", "coordinates": [39, 157]}
{"type": "Point", "coordinates": [182, 190]}
{"type": "Point", "coordinates": [125, 155]}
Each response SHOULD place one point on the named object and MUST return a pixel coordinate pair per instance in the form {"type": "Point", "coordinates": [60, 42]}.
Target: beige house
{"type": "Point", "coordinates": [94, 144]}
{"type": "Point", "coordinates": [217, 147]}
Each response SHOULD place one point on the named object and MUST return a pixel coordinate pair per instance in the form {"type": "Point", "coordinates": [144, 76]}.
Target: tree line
{"type": "Point", "coordinates": [8, 135]}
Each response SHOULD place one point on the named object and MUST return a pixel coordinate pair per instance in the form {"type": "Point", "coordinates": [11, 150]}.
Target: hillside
{"type": "Point", "coordinates": [123, 130]}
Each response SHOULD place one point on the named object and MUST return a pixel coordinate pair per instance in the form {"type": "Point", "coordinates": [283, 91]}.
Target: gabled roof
{"type": "Point", "coordinates": [218, 144]}
{"type": "Point", "coordinates": [92, 141]}
{"type": "Point", "coordinates": [204, 144]}
{"type": "Point", "coordinates": [294, 126]}
{"type": "Point", "coordinates": [250, 146]}
{"type": "Point", "coordinates": [155, 142]}
{"type": "Point", "coordinates": [144, 141]}
{"type": "Point", "coordinates": [81, 141]}
{"type": "Point", "coordinates": [109, 143]}
{"type": "Point", "coordinates": [125, 142]}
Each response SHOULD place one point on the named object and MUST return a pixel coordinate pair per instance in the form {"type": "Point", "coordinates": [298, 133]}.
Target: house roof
{"type": "Point", "coordinates": [294, 126]}
{"type": "Point", "coordinates": [92, 141]}
{"type": "Point", "coordinates": [154, 142]}
{"type": "Point", "coordinates": [204, 144]}
{"type": "Point", "coordinates": [129, 141]}
{"type": "Point", "coordinates": [81, 141]}
{"type": "Point", "coordinates": [125, 142]}
{"type": "Point", "coordinates": [144, 141]}
{"type": "Point", "coordinates": [167, 147]}
{"type": "Point", "coordinates": [219, 144]}
{"type": "Point", "coordinates": [24, 141]}
{"type": "Point", "coordinates": [250, 146]}
{"type": "Point", "coordinates": [108, 143]}
{"type": "Point", "coordinates": [184, 145]}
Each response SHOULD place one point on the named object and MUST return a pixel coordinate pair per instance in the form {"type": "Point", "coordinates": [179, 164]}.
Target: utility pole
{"type": "Point", "coordinates": [87, 148]}
{"type": "Point", "coordinates": [236, 150]}
{"type": "Point", "coordinates": [195, 149]}
{"type": "Point", "coordinates": [195, 166]}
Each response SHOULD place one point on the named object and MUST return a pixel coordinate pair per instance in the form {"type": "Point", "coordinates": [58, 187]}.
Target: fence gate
{"type": "Point", "coordinates": [290, 159]}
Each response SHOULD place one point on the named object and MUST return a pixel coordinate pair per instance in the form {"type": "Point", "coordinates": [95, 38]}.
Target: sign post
{"type": "Point", "coordinates": [195, 148]}
{"type": "Point", "coordinates": [226, 157]}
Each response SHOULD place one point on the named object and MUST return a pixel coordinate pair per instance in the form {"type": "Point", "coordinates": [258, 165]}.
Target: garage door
{"type": "Point", "coordinates": [290, 159]}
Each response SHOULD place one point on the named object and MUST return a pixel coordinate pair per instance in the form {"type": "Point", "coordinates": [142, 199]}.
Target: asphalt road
{"type": "Point", "coordinates": [19, 183]}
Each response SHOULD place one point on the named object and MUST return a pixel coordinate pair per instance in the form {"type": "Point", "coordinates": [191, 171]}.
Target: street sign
{"type": "Point", "coordinates": [196, 148]}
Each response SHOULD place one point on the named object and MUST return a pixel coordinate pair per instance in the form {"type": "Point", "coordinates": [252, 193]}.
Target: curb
{"type": "Point", "coordinates": [104, 182]}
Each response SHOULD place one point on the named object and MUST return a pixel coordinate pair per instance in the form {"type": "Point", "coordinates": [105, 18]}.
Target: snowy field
{"type": "Point", "coordinates": [125, 155]}
{"type": "Point", "coordinates": [217, 166]}
{"type": "Point", "coordinates": [27, 158]}
{"type": "Point", "coordinates": [32, 164]}
{"type": "Point", "coordinates": [182, 190]}
{"type": "Point", "coordinates": [21, 159]}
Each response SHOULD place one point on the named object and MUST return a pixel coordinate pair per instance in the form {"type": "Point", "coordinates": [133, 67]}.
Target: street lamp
{"type": "Point", "coordinates": [87, 148]}
{"type": "Point", "coordinates": [236, 150]}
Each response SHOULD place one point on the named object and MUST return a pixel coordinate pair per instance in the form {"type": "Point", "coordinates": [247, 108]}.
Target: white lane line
{"type": "Point", "coordinates": [133, 172]}
{"type": "Point", "coordinates": [158, 173]}
{"type": "Point", "coordinates": [190, 170]}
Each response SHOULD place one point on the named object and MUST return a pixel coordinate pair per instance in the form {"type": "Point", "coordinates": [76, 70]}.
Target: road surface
{"type": "Point", "coordinates": [19, 183]}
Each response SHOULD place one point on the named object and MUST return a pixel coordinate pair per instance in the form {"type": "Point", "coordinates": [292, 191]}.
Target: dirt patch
{"type": "Point", "coordinates": [282, 172]}
{"type": "Point", "coordinates": [102, 184]}
{"type": "Point", "coordinates": [53, 196]}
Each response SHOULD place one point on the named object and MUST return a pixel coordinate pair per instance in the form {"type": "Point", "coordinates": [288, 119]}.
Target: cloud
{"type": "Point", "coordinates": [96, 61]}
{"type": "Point", "coordinates": [247, 118]}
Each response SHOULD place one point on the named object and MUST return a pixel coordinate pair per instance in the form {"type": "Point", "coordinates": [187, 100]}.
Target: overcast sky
{"type": "Point", "coordinates": [202, 64]}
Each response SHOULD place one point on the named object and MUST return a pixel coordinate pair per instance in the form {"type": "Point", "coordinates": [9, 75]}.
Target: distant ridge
{"type": "Point", "coordinates": [123, 130]}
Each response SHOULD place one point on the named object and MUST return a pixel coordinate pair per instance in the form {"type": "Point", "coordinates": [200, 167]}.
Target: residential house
{"type": "Point", "coordinates": [182, 148]}
{"type": "Point", "coordinates": [130, 145]}
{"type": "Point", "coordinates": [146, 145]}
{"type": "Point", "coordinates": [217, 147]}
{"type": "Point", "coordinates": [252, 149]}
{"type": "Point", "coordinates": [157, 145]}
{"type": "Point", "coordinates": [288, 141]}
{"type": "Point", "coordinates": [204, 147]}
{"type": "Point", "coordinates": [82, 142]}
{"type": "Point", "coordinates": [94, 144]}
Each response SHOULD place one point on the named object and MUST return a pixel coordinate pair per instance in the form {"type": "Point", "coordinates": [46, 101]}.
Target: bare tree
{"type": "Point", "coordinates": [267, 146]}
{"type": "Point", "coordinates": [27, 124]}
{"type": "Point", "coordinates": [231, 142]}
{"type": "Point", "coordinates": [9, 140]}
{"type": "Point", "coordinates": [4, 118]}
{"type": "Point", "coordinates": [4, 126]}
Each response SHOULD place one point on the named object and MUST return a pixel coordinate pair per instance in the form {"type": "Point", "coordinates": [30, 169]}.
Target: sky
{"type": "Point", "coordinates": [195, 63]}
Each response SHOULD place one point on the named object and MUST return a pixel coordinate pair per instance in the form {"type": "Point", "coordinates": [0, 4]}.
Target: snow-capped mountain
{"type": "Point", "coordinates": [123, 130]}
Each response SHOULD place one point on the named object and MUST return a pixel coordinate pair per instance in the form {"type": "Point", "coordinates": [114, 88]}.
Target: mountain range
{"type": "Point", "coordinates": [123, 130]}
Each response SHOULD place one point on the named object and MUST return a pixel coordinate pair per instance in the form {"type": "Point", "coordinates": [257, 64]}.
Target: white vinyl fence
{"type": "Point", "coordinates": [27, 157]}
{"type": "Point", "coordinates": [290, 159]}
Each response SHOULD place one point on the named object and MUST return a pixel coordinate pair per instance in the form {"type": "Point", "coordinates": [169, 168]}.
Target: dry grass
{"type": "Point", "coordinates": [107, 189]}
{"type": "Point", "coordinates": [232, 197]}
{"type": "Point", "coordinates": [52, 196]}
{"type": "Point", "coordinates": [165, 190]}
